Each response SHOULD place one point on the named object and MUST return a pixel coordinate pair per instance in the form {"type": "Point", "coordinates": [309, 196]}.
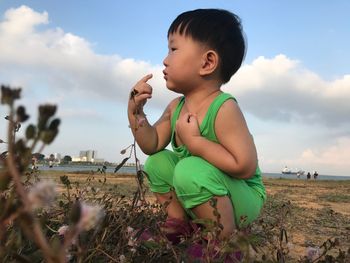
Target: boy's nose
{"type": "Point", "coordinates": [165, 61]}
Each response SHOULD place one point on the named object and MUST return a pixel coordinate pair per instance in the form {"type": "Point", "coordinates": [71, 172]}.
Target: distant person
{"type": "Point", "coordinates": [34, 165]}
{"type": "Point", "coordinates": [315, 175]}
{"type": "Point", "coordinates": [213, 155]}
{"type": "Point", "coordinates": [308, 176]}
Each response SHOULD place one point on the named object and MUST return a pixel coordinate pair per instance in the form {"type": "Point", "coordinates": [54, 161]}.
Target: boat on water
{"type": "Point", "coordinates": [286, 170]}
{"type": "Point", "coordinates": [298, 172]}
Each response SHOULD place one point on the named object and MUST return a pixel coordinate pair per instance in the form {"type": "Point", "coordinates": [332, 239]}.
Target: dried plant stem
{"type": "Point", "coordinates": [138, 169]}
{"type": "Point", "coordinates": [37, 233]}
{"type": "Point", "coordinates": [68, 238]}
{"type": "Point", "coordinates": [107, 255]}
{"type": "Point", "coordinates": [11, 163]}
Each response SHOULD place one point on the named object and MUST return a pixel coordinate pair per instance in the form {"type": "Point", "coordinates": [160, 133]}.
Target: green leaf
{"type": "Point", "coordinates": [151, 244]}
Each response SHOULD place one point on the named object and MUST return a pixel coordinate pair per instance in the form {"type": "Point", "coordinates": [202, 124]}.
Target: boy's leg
{"type": "Point", "coordinates": [159, 168]}
{"type": "Point", "coordinates": [224, 208]}
{"type": "Point", "coordinates": [172, 206]}
{"type": "Point", "coordinates": [196, 182]}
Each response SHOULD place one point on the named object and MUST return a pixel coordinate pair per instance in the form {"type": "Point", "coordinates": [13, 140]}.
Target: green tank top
{"type": "Point", "coordinates": [207, 130]}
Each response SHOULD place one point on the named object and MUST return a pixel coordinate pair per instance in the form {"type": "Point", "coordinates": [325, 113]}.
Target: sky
{"type": "Point", "coordinates": [84, 56]}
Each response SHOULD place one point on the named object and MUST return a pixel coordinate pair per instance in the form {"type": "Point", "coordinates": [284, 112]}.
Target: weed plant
{"type": "Point", "coordinates": [85, 223]}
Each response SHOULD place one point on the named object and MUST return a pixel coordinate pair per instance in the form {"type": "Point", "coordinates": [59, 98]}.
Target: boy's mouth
{"type": "Point", "coordinates": [165, 75]}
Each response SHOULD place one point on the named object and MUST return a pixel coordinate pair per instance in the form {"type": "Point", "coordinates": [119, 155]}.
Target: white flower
{"type": "Point", "coordinates": [122, 258]}
{"type": "Point", "coordinates": [42, 194]}
{"type": "Point", "coordinates": [90, 216]}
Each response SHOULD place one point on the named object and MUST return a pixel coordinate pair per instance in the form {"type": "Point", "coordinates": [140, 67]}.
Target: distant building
{"type": "Point", "coordinates": [54, 157]}
{"type": "Point", "coordinates": [57, 157]}
{"type": "Point", "coordinates": [87, 156]}
{"type": "Point", "coordinates": [76, 159]}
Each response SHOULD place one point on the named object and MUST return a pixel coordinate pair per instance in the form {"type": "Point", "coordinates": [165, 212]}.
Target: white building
{"type": "Point", "coordinates": [87, 156]}
{"type": "Point", "coordinates": [57, 157]}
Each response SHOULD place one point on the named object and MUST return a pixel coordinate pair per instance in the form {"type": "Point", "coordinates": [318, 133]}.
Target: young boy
{"type": "Point", "coordinates": [213, 155]}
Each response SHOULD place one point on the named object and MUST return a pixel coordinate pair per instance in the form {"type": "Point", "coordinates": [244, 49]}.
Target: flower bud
{"type": "Point", "coordinates": [48, 136]}
{"type": "Point", "coordinates": [30, 132]}
{"type": "Point", "coordinates": [22, 116]}
{"type": "Point", "coordinates": [8, 95]}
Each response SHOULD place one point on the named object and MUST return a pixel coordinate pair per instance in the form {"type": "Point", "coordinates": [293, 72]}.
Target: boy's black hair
{"type": "Point", "coordinates": [221, 30]}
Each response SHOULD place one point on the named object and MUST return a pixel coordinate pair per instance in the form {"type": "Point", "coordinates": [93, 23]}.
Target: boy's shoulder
{"type": "Point", "coordinates": [174, 102]}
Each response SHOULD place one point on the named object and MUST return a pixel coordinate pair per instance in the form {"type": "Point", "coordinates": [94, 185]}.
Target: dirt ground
{"type": "Point", "coordinates": [318, 210]}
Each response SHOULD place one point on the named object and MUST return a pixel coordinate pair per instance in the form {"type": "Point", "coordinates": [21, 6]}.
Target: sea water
{"type": "Point", "coordinates": [303, 177]}
{"type": "Point", "coordinates": [132, 170]}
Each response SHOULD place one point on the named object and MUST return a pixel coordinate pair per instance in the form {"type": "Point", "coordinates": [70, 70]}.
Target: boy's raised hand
{"type": "Point", "coordinates": [187, 128]}
{"type": "Point", "coordinates": [140, 93]}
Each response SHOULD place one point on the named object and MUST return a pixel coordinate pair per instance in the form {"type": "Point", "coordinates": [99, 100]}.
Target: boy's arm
{"type": "Point", "coordinates": [235, 154]}
{"type": "Point", "coordinates": [150, 138]}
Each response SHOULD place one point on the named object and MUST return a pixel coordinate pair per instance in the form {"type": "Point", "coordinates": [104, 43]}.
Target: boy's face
{"type": "Point", "coordinates": [183, 62]}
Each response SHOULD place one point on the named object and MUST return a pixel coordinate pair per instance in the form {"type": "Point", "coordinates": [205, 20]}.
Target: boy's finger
{"type": "Point", "coordinates": [143, 97]}
{"type": "Point", "coordinates": [146, 78]}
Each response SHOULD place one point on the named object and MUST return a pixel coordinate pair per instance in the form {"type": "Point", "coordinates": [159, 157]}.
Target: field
{"type": "Point", "coordinates": [308, 213]}
{"type": "Point", "coordinates": [319, 210]}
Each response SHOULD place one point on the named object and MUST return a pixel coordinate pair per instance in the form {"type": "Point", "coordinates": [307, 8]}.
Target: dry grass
{"type": "Point", "coordinates": [319, 210]}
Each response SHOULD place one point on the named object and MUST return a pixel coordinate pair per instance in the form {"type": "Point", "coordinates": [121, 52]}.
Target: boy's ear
{"type": "Point", "coordinates": [210, 62]}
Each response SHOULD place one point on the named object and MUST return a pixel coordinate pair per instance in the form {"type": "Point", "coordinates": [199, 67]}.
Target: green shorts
{"type": "Point", "coordinates": [196, 181]}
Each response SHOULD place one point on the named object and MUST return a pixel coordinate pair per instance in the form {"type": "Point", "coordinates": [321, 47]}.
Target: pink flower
{"type": "Point", "coordinates": [62, 230]}
{"type": "Point", "coordinates": [129, 230]}
{"type": "Point", "coordinates": [313, 252]}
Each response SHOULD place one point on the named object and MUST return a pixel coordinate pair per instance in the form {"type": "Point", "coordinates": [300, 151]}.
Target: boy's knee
{"type": "Point", "coordinates": [151, 162]}
{"type": "Point", "coordinates": [159, 167]}
{"type": "Point", "coordinates": [187, 172]}
{"type": "Point", "coordinates": [155, 162]}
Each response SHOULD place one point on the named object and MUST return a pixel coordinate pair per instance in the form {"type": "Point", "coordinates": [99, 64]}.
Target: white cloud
{"type": "Point", "coordinates": [61, 66]}
{"type": "Point", "coordinates": [277, 88]}
{"type": "Point", "coordinates": [328, 158]}
{"type": "Point", "coordinates": [63, 61]}
{"type": "Point", "coordinates": [281, 89]}
{"type": "Point", "coordinates": [333, 159]}
{"type": "Point", "coordinates": [20, 22]}
{"type": "Point", "coordinates": [333, 156]}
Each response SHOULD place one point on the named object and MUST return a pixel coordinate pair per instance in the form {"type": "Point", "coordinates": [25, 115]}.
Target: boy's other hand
{"type": "Point", "coordinates": [140, 93]}
{"type": "Point", "coordinates": [187, 128]}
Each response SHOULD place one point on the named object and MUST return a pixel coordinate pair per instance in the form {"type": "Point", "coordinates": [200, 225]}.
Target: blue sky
{"type": "Point", "coordinates": [84, 56]}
